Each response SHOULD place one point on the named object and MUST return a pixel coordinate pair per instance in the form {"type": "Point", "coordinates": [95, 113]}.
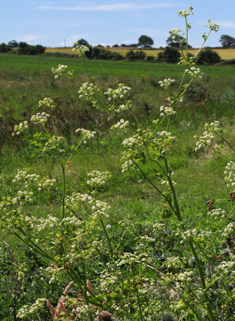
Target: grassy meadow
{"type": "Point", "coordinates": [24, 80]}
{"type": "Point", "coordinates": [225, 54]}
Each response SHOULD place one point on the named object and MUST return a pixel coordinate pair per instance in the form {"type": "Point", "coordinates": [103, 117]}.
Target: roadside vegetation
{"type": "Point", "coordinates": [93, 224]}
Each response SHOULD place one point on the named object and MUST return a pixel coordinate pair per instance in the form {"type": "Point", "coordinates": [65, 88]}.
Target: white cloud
{"type": "Point", "coordinates": [29, 38]}
{"type": "Point", "coordinates": [227, 24]}
{"type": "Point", "coordinates": [111, 7]}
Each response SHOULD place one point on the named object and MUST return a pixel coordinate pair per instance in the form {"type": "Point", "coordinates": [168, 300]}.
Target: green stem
{"type": "Point", "coordinates": [155, 187]}
{"type": "Point", "coordinates": [173, 191]}
{"type": "Point", "coordinates": [137, 294]}
{"type": "Point", "coordinates": [203, 283]}
{"type": "Point", "coordinates": [106, 234]}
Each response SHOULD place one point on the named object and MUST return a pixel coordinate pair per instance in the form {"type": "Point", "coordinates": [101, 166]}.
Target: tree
{"type": "Point", "coordinates": [23, 48]}
{"type": "Point", "coordinates": [227, 41]}
{"type": "Point", "coordinates": [176, 41]}
{"type": "Point", "coordinates": [82, 42]}
{"type": "Point", "coordinates": [145, 41]}
{"type": "Point", "coordinates": [4, 48]}
{"type": "Point", "coordinates": [13, 44]}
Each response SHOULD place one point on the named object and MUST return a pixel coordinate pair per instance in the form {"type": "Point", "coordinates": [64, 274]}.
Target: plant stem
{"type": "Point", "coordinates": [106, 234]}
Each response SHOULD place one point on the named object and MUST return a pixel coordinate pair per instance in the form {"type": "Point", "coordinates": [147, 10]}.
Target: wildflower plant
{"type": "Point", "coordinates": [175, 268]}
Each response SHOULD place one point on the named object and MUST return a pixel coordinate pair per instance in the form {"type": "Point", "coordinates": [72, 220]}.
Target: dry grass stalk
{"type": "Point", "coordinates": [11, 253]}
{"type": "Point", "coordinates": [60, 306]}
{"type": "Point", "coordinates": [52, 310]}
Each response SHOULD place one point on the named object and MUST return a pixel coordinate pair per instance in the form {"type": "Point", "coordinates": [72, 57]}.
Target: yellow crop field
{"type": "Point", "coordinates": [224, 53]}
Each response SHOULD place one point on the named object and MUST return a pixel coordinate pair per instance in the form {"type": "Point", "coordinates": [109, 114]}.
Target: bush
{"type": "Point", "coordinates": [4, 48]}
{"type": "Point", "coordinates": [138, 55]}
{"type": "Point", "coordinates": [24, 49]}
{"type": "Point", "coordinates": [101, 53]}
{"type": "Point", "coordinates": [150, 59]}
{"type": "Point", "coordinates": [169, 55]}
{"type": "Point", "coordinates": [208, 57]}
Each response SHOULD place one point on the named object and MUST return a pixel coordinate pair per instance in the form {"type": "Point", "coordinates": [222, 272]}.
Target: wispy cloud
{"type": "Point", "coordinates": [227, 24]}
{"type": "Point", "coordinates": [29, 38]}
{"type": "Point", "coordinates": [111, 7]}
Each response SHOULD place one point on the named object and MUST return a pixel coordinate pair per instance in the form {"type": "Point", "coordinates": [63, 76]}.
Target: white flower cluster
{"type": "Point", "coordinates": [40, 224]}
{"type": "Point", "coordinates": [123, 107]}
{"type": "Point", "coordinates": [25, 310]}
{"type": "Point", "coordinates": [61, 70]}
{"type": "Point", "coordinates": [216, 213]}
{"type": "Point", "coordinates": [213, 26]}
{"type": "Point", "coordinates": [46, 102]}
{"type": "Point", "coordinates": [185, 276]}
{"type": "Point", "coordinates": [86, 134]}
{"type": "Point", "coordinates": [131, 141]}
{"type": "Point", "coordinates": [23, 195]}
{"type": "Point", "coordinates": [175, 262]}
{"type": "Point", "coordinates": [228, 230]}
{"type": "Point", "coordinates": [166, 82]}
{"type": "Point", "coordinates": [230, 174]}
{"type": "Point", "coordinates": [97, 178]}
{"type": "Point", "coordinates": [117, 93]}
{"type": "Point", "coordinates": [80, 49]}
{"type": "Point", "coordinates": [225, 268]}
{"type": "Point", "coordinates": [194, 72]}
{"type": "Point", "coordinates": [100, 209]}
{"type": "Point", "coordinates": [45, 183]}
{"type": "Point", "coordinates": [188, 234]}
{"type": "Point", "coordinates": [87, 91]}
{"type": "Point", "coordinates": [166, 182]}
{"type": "Point", "coordinates": [167, 135]}
{"type": "Point", "coordinates": [174, 32]}
{"type": "Point", "coordinates": [120, 125]}
{"type": "Point", "coordinates": [214, 127]}
{"type": "Point", "coordinates": [22, 175]}
{"type": "Point", "coordinates": [204, 140]}
{"type": "Point", "coordinates": [76, 199]}
{"type": "Point", "coordinates": [166, 110]}
{"type": "Point", "coordinates": [52, 142]}
{"type": "Point", "coordinates": [128, 165]}
{"type": "Point", "coordinates": [19, 128]}
{"type": "Point", "coordinates": [40, 118]}
{"type": "Point", "coordinates": [185, 13]}
{"type": "Point", "coordinates": [71, 221]}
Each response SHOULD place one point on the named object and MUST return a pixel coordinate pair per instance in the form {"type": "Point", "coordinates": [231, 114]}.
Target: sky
{"type": "Point", "coordinates": [59, 23]}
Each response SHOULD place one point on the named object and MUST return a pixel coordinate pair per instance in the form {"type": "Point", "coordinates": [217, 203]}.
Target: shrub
{"type": "Point", "coordinates": [4, 48]}
{"type": "Point", "coordinates": [208, 56]}
{"type": "Point", "coordinates": [102, 53]}
{"type": "Point", "coordinates": [24, 49]}
{"type": "Point", "coordinates": [150, 59]}
{"type": "Point", "coordinates": [169, 55]}
{"type": "Point", "coordinates": [137, 55]}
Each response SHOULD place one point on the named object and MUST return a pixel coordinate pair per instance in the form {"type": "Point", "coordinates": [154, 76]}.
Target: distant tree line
{"type": "Point", "coordinates": [21, 48]}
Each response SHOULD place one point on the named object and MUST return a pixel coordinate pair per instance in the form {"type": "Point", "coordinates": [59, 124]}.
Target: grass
{"type": "Point", "coordinates": [26, 80]}
{"type": "Point", "coordinates": [225, 54]}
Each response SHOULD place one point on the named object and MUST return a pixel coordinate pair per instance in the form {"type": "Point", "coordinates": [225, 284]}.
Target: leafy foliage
{"type": "Point", "coordinates": [227, 41]}
{"type": "Point", "coordinates": [208, 56]}
{"type": "Point", "coordinates": [145, 41]}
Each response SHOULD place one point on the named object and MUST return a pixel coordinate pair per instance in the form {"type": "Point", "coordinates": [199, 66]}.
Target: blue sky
{"type": "Point", "coordinates": [109, 22]}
